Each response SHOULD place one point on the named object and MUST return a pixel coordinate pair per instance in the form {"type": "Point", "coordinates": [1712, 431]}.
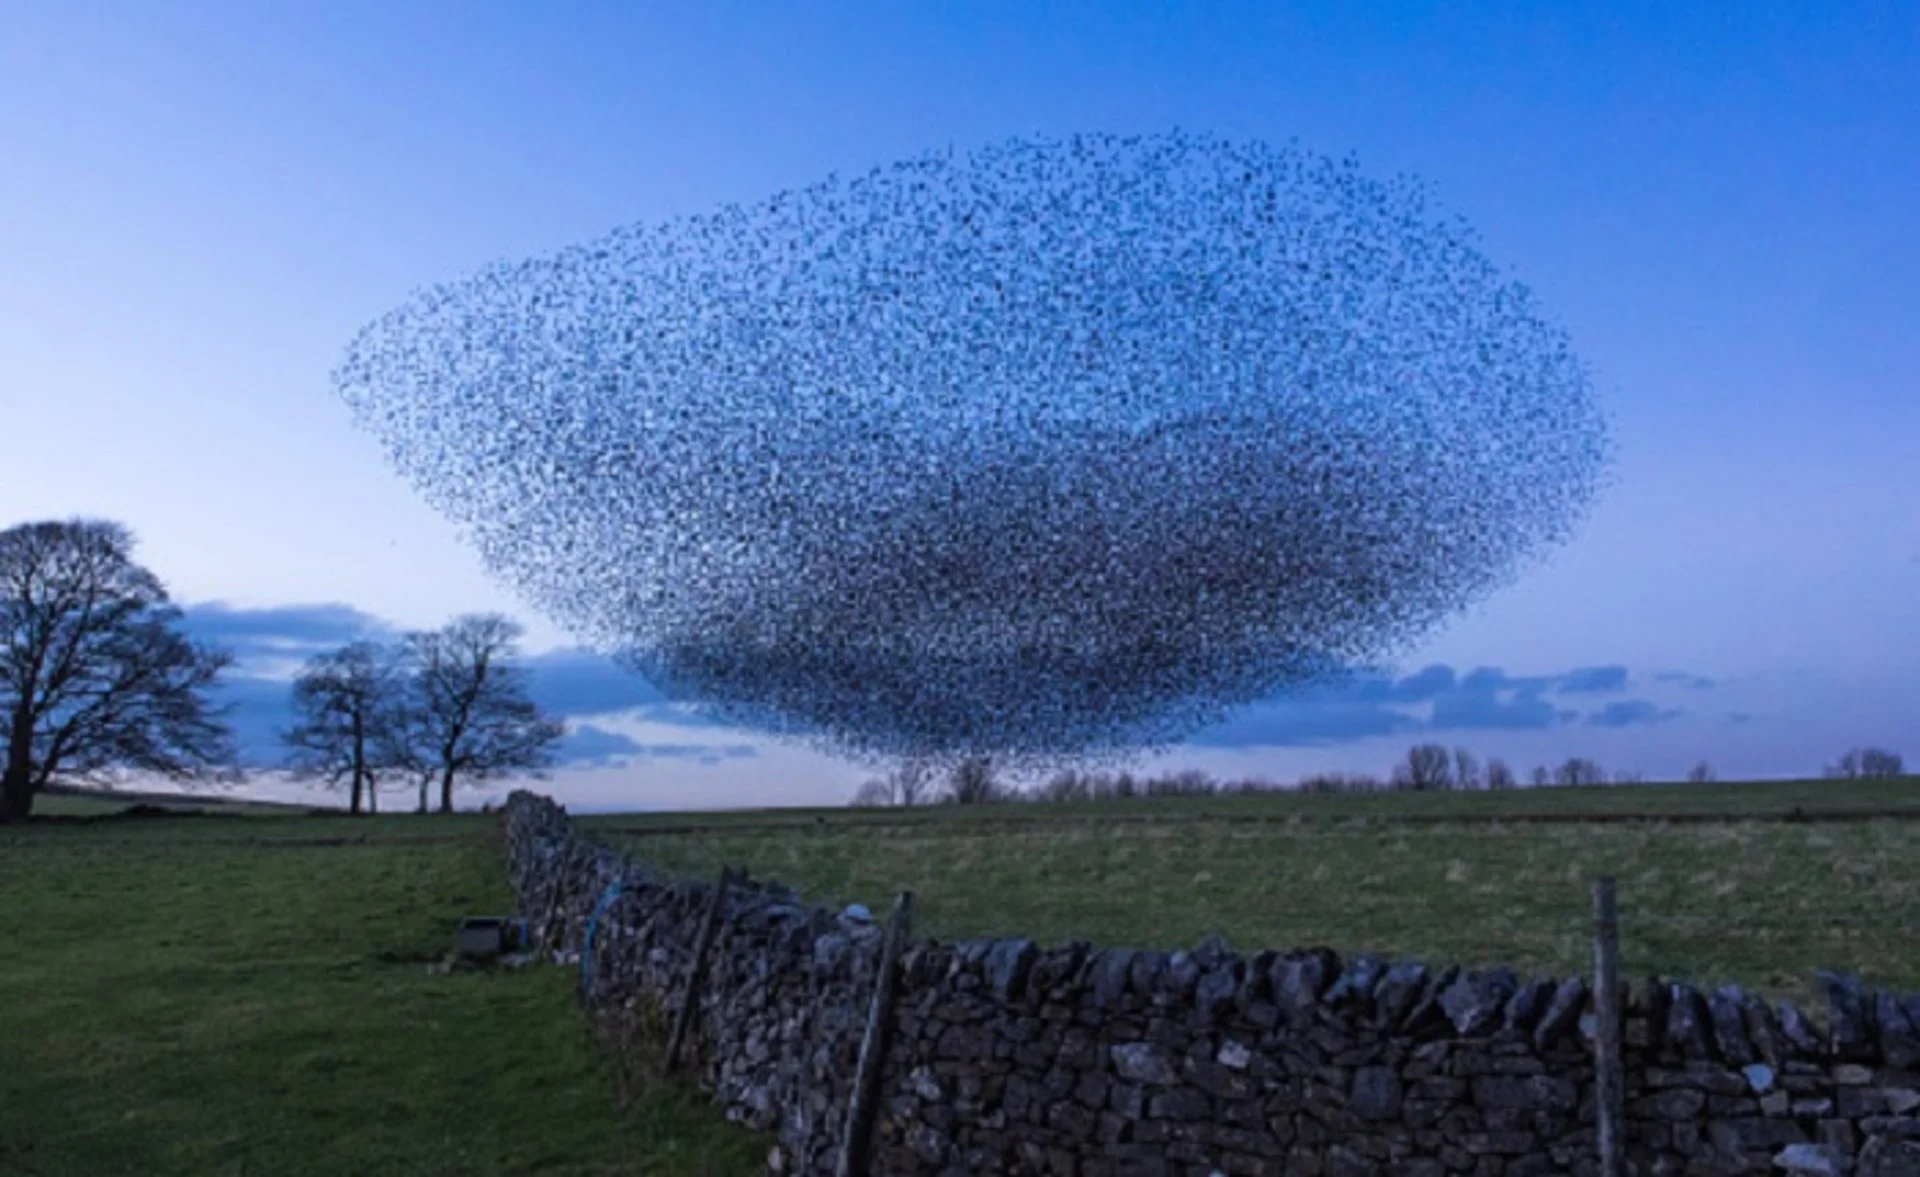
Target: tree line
{"type": "Point", "coordinates": [99, 678]}
{"type": "Point", "coordinates": [436, 708]}
{"type": "Point", "coordinates": [1424, 768]}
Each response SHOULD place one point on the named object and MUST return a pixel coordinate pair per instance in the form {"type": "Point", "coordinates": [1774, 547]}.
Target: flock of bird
{"type": "Point", "coordinates": [1052, 449]}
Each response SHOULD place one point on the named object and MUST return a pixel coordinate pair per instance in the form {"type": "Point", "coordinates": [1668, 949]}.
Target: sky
{"type": "Point", "coordinates": [201, 203]}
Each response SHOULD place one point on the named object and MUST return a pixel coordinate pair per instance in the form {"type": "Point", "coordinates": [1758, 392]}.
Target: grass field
{"type": "Point", "coordinates": [1472, 879]}
{"type": "Point", "coordinates": [249, 994]}
{"type": "Point", "coordinates": [228, 995]}
{"type": "Point", "coordinates": [102, 803]}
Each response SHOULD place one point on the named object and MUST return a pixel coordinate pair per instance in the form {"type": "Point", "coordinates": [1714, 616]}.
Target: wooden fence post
{"type": "Point", "coordinates": [697, 971]}
{"type": "Point", "coordinates": [873, 1044]}
{"type": "Point", "coordinates": [1609, 1077]}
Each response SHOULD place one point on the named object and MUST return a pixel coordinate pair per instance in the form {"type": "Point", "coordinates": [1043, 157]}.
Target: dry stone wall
{"type": "Point", "coordinates": [1004, 1057]}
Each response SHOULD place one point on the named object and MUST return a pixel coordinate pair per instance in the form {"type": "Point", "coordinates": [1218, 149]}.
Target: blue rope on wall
{"type": "Point", "coordinates": [593, 925]}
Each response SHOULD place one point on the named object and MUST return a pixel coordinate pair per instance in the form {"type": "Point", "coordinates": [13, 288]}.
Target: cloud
{"type": "Point", "coordinates": [592, 746]}
{"type": "Point", "coordinates": [1439, 698]}
{"type": "Point", "coordinates": [258, 710]}
{"type": "Point", "coordinates": [282, 631]}
{"type": "Point", "coordinates": [1304, 723]}
{"type": "Point", "coordinates": [1489, 711]}
{"type": "Point", "coordinates": [1630, 712]}
{"type": "Point", "coordinates": [588, 744]}
{"type": "Point", "coordinates": [704, 753]}
{"type": "Point", "coordinates": [577, 684]}
{"type": "Point", "coordinates": [574, 682]}
{"type": "Point", "coordinates": [1593, 680]}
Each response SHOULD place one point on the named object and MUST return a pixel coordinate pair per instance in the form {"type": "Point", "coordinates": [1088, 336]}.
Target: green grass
{"type": "Point", "coordinates": [1761, 903]}
{"type": "Point", "coordinates": [76, 802]}
{"type": "Point", "coordinates": [1724, 799]}
{"type": "Point", "coordinates": [251, 996]}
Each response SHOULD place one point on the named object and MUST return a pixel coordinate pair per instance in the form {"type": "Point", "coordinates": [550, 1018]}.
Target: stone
{"type": "Point", "coordinates": [1838, 1135]}
{"type": "Point", "coordinates": [1142, 1062]}
{"type": "Point", "coordinates": [928, 1144]}
{"type": "Point", "coordinates": [1689, 1025]}
{"type": "Point", "coordinates": [1425, 1014]}
{"type": "Point", "coordinates": [1724, 1010]}
{"type": "Point", "coordinates": [1218, 990]}
{"type": "Point", "coordinates": [1398, 989]}
{"type": "Point", "coordinates": [1763, 1030]}
{"type": "Point", "coordinates": [1901, 1100]}
{"type": "Point", "coordinates": [1233, 1054]}
{"type": "Point", "coordinates": [1475, 1001]}
{"type": "Point", "coordinates": [1812, 1160]}
{"type": "Point", "coordinates": [1529, 1093]}
{"type": "Point", "coordinates": [1177, 982]}
{"type": "Point", "coordinates": [1342, 1161]}
{"type": "Point", "coordinates": [1759, 1077]}
{"type": "Point", "coordinates": [1675, 1103]}
{"type": "Point", "coordinates": [1007, 964]}
{"type": "Point", "coordinates": [1798, 1031]}
{"type": "Point", "coordinates": [1528, 1003]}
{"type": "Point", "coordinates": [1212, 952]}
{"type": "Point", "coordinates": [1110, 970]}
{"type": "Point", "coordinates": [1354, 990]}
{"type": "Point", "coordinates": [1889, 1158]}
{"type": "Point", "coordinates": [1376, 1093]}
{"type": "Point", "coordinates": [1180, 1103]}
{"type": "Point", "coordinates": [1852, 1075]}
{"type": "Point", "coordinates": [924, 1084]}
{"type": "Point", "coordinates": [1143, 975]}
{"type": "Point", "coordinates": [1752, 1134]}
{"type": "Point", "coordinates": [1849, 1010]}
{"type": "Point", "coordinates": [1300, 978]}
{"type": "Point", "coordinates": [1899, 1037]}
{"type": "Point", "coordinates": [1563, 1010]}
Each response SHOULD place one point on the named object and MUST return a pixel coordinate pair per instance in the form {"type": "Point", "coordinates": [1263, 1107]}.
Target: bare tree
{"type": "Point", "coordinates": [1540, 777]}
{"type": "Point", "coordinates": [1867, 763]}
{"type": "Point", "coordinates": [467, 716]}
{"type": "Point", "coordinates": [973, 783]}
{"type": "Point", "coordinates": [1579, 770]}
{"type": "Point", "coordinates": [1499, 776]}
{"type": "Point", "coordinates": [1466, 770]}
{"type": "Point", "coordinates": [1427, 766]}
{"type": "Point", "coordinates": [910, 783]}
{"type": "Point", "coordinates": [1881, 764]}
{"type": "Point", "coordinates": [1701, 774]}
{"type": "Point", "coordinates": [95, 676]}
{"type": "Point", "coordinates": [349, 702]}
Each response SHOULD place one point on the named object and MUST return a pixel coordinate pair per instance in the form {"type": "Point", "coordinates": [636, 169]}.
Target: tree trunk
{"type": "Point", "coordinates": [359, 766]}
{"type": "Point", "coordinates": [16, 782]}
{"type": "Point", "coordinates": [446, 790]}
{"type": "Point", "coordinates": [426, 782]}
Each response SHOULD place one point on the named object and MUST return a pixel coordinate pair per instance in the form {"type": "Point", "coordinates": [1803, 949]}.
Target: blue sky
{"type": "Point", "coordinates": [199, 204]}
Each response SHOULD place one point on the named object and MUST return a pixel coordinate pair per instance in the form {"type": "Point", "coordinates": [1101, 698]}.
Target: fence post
{"type": "Point", "coordinates": [873, 1045]}
{"type": "Point", "coordinates": [1609, 1078]}
{"type": "Point", "coordinates": [697, 971]}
